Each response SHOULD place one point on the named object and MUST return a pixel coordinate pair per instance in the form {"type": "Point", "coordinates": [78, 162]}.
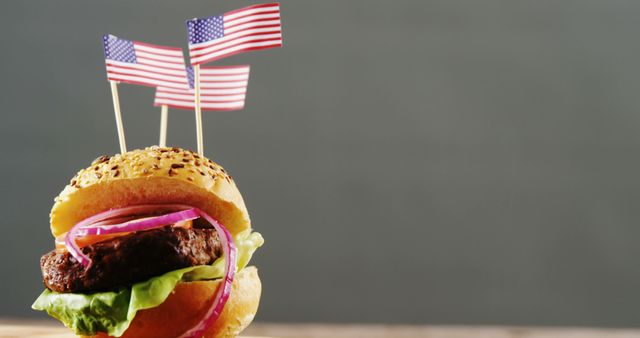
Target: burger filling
{"type": "Point", "coordinates": [125, 260]}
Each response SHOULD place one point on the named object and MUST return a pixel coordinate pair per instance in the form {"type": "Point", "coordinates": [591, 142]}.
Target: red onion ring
{"type": "Point", "coordinates": [138, 224]}
{"type": "Point", "coordinates": [224, 289]}
{"type": "Point", "coordinates": [97, 224]}
{"type": "Point", "coordinates": [132, 210]}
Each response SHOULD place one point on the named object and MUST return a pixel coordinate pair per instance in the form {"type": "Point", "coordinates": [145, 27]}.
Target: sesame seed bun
{"type": "Point", "coordinates": [152, 175]}
{"type": "Point", "coordinates": [185, 307]}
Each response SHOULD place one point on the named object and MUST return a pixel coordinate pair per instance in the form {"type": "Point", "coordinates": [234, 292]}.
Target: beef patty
{"type": "Point", "coordinates": [129, 259]}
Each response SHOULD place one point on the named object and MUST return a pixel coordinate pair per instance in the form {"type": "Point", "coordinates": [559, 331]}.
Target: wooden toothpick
{"type": "Point", "coordinates": [163, 125]}
{"type": "Point", "coordinates": [198, 110]}
{"type": "Point", "coordinates": [116, 109]}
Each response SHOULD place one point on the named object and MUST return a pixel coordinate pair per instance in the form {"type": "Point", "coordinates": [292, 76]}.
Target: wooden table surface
{"type": "Point", "coordinates": [48, 329]}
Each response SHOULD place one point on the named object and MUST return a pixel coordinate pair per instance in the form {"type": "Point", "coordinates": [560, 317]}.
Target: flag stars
{"type": "Point", "coordinates": [117, 49]}
{"type": "Point", "coordinates": [207, 29]}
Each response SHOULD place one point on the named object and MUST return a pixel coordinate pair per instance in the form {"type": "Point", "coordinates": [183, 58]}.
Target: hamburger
{"type": "Point", "coordinates": [151, 243]}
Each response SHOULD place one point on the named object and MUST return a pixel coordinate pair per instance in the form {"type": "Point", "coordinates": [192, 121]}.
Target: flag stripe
{"type": "Point", "coordinates": [189, 97]}
{"type": "Point", "coordinates": [189, 104]}
{"type": "Point", "coordinates": [161, 65]}
{"type": "Point", "coordinates": [219, 91]}
{"type": "Point", "coordinates": [221, 85]}
{"type": "Point", "coordinates": [230, 72]}
{"type": "Point", "coordinates": [211, 92]}
{"type": "Point", "coordinates": [141, 81]}
{"type": "Point", "coordinates": [159, 52]}
{"type": "Point", "coordinates": [213, 107]}
{"type": "Point", "coordinates": [222, 78]}
{"type": "Point", "coordinates": [235, 42]}
{"type": "Point", "coordinates": [158, 48]}
{"type": "Point", "coordinates": [189, 101]}
{"type": "Point", "coordinates": [225, 70]}
{"type": "Point", "coordinates": [162, 58]}
{"type": "Point", "coordinates": [162, 93]}
{"type": "Point", "coordinates": [253, 24]}
{"type": "Point", "coordinates": [146, 74]}
{"type": "Point", "coordinates": [251, 10]}
{"type": "Point", "coordinates": [272, 15]}
{"type": "Point", "coordinates": [253, 18]}
{"type": "Point", "coordinates": [257, 45]}
{"type": "Point", "coordinates": [226, 78]}
{"type": "Point", "coordinates": [273, 25]}
{"type": "Point", "coordinates": [144, 67]}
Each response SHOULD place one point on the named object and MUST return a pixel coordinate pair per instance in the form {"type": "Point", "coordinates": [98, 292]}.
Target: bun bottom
{"type": "Point", "coordinates": [187, 304]}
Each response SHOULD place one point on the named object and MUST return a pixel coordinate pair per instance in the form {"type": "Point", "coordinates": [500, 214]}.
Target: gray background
{"type": "Point", "coordinates": [407, 161]}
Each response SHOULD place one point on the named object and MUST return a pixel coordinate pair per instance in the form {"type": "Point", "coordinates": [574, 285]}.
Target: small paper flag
{"type": "Point", "coordinates": [221, 88]}
{"type": "Point", "coordinates": [250, 28]}
{"type": "Point", "coordinates": [144, 64]}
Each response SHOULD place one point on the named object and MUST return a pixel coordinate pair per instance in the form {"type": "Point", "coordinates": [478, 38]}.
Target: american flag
{"type": "Point", "coordinates": [144, 64]}
{"type": "Point", "coordinates": [221, 88]}
{"type": "Point", "coordinates": [250, 28]}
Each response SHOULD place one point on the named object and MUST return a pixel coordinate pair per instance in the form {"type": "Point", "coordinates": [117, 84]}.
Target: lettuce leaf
{"type": "Point", "coordinates": [112, 312]}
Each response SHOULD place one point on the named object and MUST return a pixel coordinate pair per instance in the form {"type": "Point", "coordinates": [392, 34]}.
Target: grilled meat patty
{"type": "Point", "coordinates": [125, 260]}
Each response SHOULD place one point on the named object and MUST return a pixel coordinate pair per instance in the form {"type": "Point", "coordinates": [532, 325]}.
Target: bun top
{"type": "Point", "coordinates": [152, 175]}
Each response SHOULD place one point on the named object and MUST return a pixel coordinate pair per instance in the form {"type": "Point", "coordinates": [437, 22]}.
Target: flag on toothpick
{"type": "Point", "coordinates": [250, 28]}
{"type": "Point", "coordinates": [221, 88]}
{"type": "Point", "coordinates": [144, 64]}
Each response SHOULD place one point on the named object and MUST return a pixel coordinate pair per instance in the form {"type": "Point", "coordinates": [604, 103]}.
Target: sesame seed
{"type": "Point", "coordinates": [100, 159]}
